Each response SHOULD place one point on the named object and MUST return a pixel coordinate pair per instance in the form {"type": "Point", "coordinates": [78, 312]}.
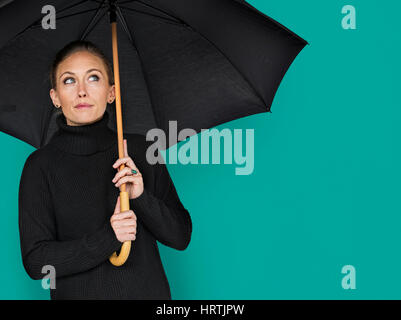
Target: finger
{"type": "Point", "coordinates": [124, 223]}
{"type": "Point", "coordinates": [129, 221]}
{"type": "Point", "coordinates": [126, 230]}
{"type": "Point", "coordinates": [123, 215]}
{"type": "Point", "coordinates": [128, 237]}
{"type": "Point", "coordinates": [117, 208]}
{"type": "Point", "coordinates": [127, 161]}
{"type": "Point", "coordinates": [135, 180]}
{"type": "Point", "coordinates": [125, 148]}
{"type": "Point", "coordinates": [121, 173]}
{"type": "Point", "coordinates": [125, 172]}
{"type": "Point", "coordinates": [131, 237]}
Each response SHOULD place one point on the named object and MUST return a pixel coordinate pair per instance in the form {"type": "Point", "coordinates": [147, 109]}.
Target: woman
{"type": "Point", "coordinates": [69, 209]}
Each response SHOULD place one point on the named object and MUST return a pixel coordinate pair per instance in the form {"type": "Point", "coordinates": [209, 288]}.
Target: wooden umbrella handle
{"type": "Point", "coordinates": [120, 259]}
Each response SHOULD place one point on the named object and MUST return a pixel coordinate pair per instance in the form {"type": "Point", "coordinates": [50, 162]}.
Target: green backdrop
{"type": "Point", "coordinates": [325, 188]}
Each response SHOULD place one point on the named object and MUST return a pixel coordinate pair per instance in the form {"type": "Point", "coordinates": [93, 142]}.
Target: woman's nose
{"type": "Point", "coordinates": [82, 91]}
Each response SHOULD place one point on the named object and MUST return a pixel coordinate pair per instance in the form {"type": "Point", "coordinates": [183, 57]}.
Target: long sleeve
{"type": "Point", "coordinates": [163, 213]}
{"type": "Point", "coordinates": [38, 233]}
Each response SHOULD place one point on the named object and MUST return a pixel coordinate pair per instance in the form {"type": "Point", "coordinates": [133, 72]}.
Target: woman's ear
{"type": "Point", "coordinates": [54, 97]}
{"type": "Point", "coordinates": [112, 94]}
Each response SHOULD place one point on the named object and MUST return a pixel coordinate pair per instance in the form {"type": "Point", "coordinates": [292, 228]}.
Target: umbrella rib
{"type": "Point", "coordinates": [117, 2]}
{"type": "Point", "coordinates": [100, 18]}
{"type": "Point", "coordinates": [122, 2]}
{"type": "Point", "coordinates": [76, 13]}
{"type": "Point", "coordinates": [125, 26]}
{"type": "Point", "coordinates": [162, 11]}
{"type": "Point", "coordinates": [71, 6]}
{"type": "Point", "coordinates": [62, 10]}
{"type": "Point", "coordinates": [39, 20]}
{"type": "Point", "coordinates": [38, 23]}
{"type": "Point", "coordinates": [238, 70]}
{"type": "Point", "coordinates": [88, 27]}
{"type": "Point", "coordinates": [175, 22]}
{"type": "Point", "coordinates": [119, 12]}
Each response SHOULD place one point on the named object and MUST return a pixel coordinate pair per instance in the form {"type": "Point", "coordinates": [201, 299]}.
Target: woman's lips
{"type": "Point", "coordinates": [83, 105]}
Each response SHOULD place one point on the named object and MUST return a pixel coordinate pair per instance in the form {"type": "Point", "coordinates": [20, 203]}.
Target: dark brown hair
{"type": "Point", "coordinates": [77, 46]}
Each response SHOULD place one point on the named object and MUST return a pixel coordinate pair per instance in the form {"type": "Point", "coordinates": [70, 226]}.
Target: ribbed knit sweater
{"type": "Point", "coordinates": [66, 200]}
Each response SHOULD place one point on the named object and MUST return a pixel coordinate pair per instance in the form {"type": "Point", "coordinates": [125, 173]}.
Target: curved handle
{"type": "Point", "coordinates": [119, 260]}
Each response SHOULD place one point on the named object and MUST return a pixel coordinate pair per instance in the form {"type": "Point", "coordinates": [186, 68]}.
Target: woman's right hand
{"type": "Point", "coordinates": [123, 223]}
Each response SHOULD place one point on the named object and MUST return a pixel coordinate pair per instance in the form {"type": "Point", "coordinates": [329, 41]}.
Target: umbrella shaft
{"type": "Point", "coordinates": [118, 95]}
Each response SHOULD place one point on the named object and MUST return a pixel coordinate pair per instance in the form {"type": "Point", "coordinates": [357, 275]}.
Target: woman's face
{"type": "Point", "coordinates": [82, 79]}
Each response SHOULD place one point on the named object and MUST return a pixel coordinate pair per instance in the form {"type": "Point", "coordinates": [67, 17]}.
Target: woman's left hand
{"type": "Point", "coordinates": [133, 181]}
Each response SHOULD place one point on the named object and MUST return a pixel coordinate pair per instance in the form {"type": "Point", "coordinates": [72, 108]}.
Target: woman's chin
{"type": "Point", "coordinates": [85, 115]}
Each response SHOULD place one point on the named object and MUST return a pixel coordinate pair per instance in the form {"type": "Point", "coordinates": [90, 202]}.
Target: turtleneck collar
{"type": "Point", "coordinates": [86, 139]}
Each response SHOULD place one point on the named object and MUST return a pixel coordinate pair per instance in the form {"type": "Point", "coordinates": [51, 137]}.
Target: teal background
{"type": "Point", "coordinates": [325, 189]}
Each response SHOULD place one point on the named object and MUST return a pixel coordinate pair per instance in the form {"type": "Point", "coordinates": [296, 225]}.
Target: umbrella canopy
{"type": "Point", "coordinates": [200, 62]}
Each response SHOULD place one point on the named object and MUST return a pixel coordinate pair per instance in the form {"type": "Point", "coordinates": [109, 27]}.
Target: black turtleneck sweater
{"type": "Point", "coordinates": [66, 199]}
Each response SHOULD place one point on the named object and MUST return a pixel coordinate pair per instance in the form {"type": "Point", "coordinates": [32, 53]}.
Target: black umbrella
{"type": "Point", "coordinates": [198, 62]}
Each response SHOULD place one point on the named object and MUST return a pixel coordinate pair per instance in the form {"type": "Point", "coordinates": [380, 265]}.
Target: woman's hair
{"type": "Point", "coordinates": [77, 46]}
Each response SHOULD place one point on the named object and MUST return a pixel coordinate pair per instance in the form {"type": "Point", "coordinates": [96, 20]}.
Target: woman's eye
{"type": "Point", "coordinates": [96, 77]}
{"type": "Point", "coordinates": [65, 80]}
